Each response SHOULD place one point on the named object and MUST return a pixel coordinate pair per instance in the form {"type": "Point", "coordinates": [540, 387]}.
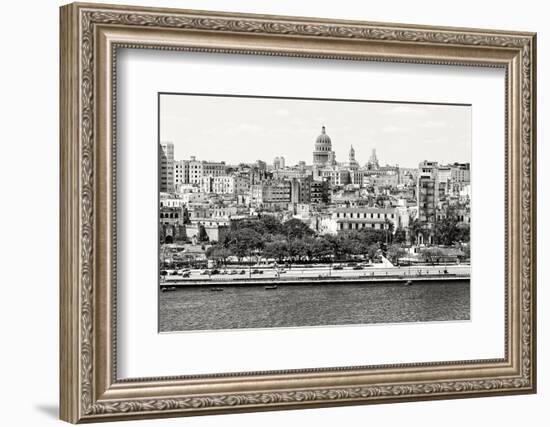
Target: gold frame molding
{"type": "Point", "coordinates": [90, 36]}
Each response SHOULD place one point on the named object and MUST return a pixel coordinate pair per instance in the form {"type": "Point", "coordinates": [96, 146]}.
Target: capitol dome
{"type": "Point", "coordinates": [323, 154]}
{"type": "Point", "coordinates": [323, 142]}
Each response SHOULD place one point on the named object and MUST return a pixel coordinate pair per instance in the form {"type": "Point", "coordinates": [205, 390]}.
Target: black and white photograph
{"type": "Point", "coordinates": [292, 212]}
{"type": "Point", "coordinates": [260, 207]}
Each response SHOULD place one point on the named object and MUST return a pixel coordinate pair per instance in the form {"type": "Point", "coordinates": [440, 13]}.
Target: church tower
{"type": "Point", "coordinates": [353, 164]}
{"type": "Point", "coordinates": [372, 164]}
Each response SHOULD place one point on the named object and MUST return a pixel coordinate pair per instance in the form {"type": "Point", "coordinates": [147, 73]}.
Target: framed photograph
{"type": "Point", "coordinates": [266, 212]}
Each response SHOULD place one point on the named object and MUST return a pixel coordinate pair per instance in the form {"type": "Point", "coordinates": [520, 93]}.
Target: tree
{"type": "Point", "coordinates": [296, 249]}
{"type": "Point", "coordinates": [308, 244]}
{"type": "Point", "coordinates": [466, 251]}
{"type": "Point", "coordinates": [296, 229]}
{"type": "Point", "coordinates": [320, 249]}
{"type": "Point", "coordinates": [334, 244]}
{"type": "Point", "coordinates": [371, 251]}
{"type": "Point", "coordinates": [463, 232]}
{"type": "Point", "coordinates": [271, 224]}
{"type": "Point", "coordinates": [447, 230]}
{"type": "Point", "coordinates": [388, 227]}
{"type": "Point", "coordinates": [416, 228]}
{"type": "Point", "coordinates": [252, 224]}
{"type": "Point", "coordinates": [400, 235]}
{"type": "Point", "coordinates": [243, 242]}
{"type": "Point", "coordinates": [355, 247]}
{"type": "Point", "coordinates": [371, 236]}
{"type": "Point", "coordinates": [432, 255]}
{"type": "Point", "coordinates": [266, 225]}
{"type": "Point", "coordinates": [395, 252]}
{"type": "Point", "coordinates": [202, 235]}
{"type": "Point", "coordinates": [218, 253]}
{"type": "Point", "coordinates": [277, 250]}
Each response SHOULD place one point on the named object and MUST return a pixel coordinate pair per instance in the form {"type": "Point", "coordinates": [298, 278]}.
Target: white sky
{"type": "Point", "coordinates": [247, 129]}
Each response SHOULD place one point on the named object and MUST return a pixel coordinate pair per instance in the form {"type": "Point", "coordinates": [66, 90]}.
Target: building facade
{"type": "Point", "coordinates": [271, 194]}
{"type": "Point", "coordinates": [166, 163]}
{"type": "Point", "coordinates": [181, 172]}
{"type": "Point", "coordinates": [347, 219]}
{"type": "Point", "coordinates": [460, 172]}
{"type": "Point", "coordinates": [200, 169]}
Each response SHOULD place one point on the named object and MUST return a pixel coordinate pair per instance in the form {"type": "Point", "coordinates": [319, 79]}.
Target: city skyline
{"type": "Point", "coordinates": [264, 128]}
{"type": "Point", "coordinates": [382, 199]}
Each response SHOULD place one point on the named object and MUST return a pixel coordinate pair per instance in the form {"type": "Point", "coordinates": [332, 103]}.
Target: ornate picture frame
{"type": "Point", "coordinates": [90, 37]}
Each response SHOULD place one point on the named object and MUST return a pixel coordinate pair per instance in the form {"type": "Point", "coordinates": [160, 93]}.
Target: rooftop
{"type": "Point", "coordinates": [362, 209]}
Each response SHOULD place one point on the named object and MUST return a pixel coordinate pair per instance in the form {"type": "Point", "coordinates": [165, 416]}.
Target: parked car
{"type": "Point", "coordinates": [242, 272]}
{"type": "Point", "coordinates": [233, 272]}
{"type": "Point", "coordinates": [215, 271]}
{"type": "Point", "coordinates": [204, 272]}
{"type": "Point", "coordinates": [358, 267]}
{"type": "Point", "coordinates": [186, 274]}
{"type": "Point", "coordinates": [337, 267]}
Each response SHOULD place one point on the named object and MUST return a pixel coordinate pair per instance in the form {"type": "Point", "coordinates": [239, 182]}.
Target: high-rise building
{"type": "Point", "coordinates": [279, 163]}
{"type": "Point", "coordinates": [166, 164]}
{"type": "Point", "coordinates": [427, 197]}
{"type": "Point", "coordinates": [181, 172]}
{"type": "Point", "coordinates": [261, 165]}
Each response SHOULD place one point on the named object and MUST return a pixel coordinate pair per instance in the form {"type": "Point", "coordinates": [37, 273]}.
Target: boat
{"type": "Point", "coordinates": [270, 287]}
{"type": "Point", "coordinates": [216, 289]}
{"type": "Point", "coordinates": [167, 288]}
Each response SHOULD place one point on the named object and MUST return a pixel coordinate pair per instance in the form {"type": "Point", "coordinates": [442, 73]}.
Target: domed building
{"type": "Point", "coordinates": [323, 154]}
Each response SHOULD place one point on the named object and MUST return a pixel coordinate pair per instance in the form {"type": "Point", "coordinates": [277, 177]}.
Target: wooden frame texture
{"type": "Point", "coordinates": [90, 36]}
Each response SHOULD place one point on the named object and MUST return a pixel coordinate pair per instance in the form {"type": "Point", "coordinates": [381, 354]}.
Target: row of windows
{"type": "Point", "coordinates": [172, 204]}
{"type": "Point", "coordinates": [173, 215]}
{"type": "Point", "coordinates": [212, 224]}
{"type": "Point", "coordinates": [359, 226]}
{"type": "Point", "coordinates": [362, 215]}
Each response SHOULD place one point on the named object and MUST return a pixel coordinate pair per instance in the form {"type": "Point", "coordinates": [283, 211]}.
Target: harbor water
{"type": "Point", "coordinates": [245, 307]}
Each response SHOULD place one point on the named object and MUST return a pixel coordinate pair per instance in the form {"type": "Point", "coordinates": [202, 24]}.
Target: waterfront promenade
{"type": "Point", "coordinates": [318, 273]}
